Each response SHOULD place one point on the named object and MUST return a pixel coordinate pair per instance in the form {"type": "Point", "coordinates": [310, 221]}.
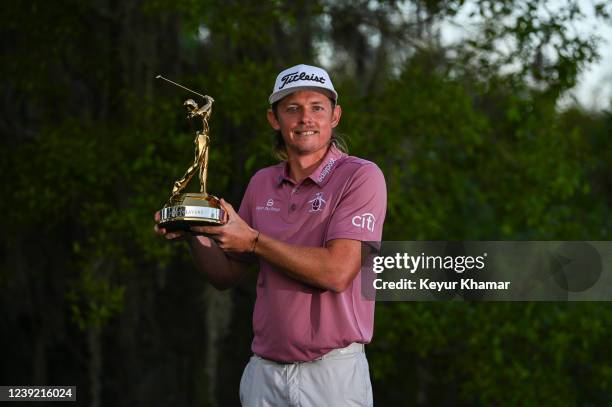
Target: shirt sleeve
{"type": "Point", "coordinates": [360, 212]}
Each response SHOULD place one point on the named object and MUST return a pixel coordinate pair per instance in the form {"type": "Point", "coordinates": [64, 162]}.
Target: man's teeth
{"type": "Point", "coordinates": [306, 133]}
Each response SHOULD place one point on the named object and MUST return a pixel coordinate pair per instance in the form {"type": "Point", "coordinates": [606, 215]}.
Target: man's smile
{"type": "Point", "coordinates": [305, 132]}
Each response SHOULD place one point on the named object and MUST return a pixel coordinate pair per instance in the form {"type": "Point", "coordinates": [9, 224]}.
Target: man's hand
{"type": "Point", "coordinates": [176, 235]}
{"type": "Point", "coordinates": [221, 271]}
{"type": "Point", "coordinates": [234, 236]}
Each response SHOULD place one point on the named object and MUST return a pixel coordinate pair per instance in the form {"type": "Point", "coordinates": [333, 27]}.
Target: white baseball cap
{"type": "Point", "coordinates": [302, 77]}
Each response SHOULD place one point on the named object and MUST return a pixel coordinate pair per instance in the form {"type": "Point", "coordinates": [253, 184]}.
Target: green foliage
{"type": "Point", "coordinates": [469, 138]}
{"type": "Point", "coordinates": [496, 158]}
{"type": "Point", "coordinates": [506, 353]}
{"type": "Point", "coordinates": [93, 301]}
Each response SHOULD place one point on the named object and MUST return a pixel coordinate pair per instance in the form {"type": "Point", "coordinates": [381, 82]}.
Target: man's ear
{"type": "Point", "coordinates": [337, 113]}
{"type": "Point", "coordinates": [273, 120]}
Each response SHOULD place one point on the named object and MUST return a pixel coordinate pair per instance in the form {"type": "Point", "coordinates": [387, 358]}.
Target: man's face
{"type": "Point", "coordinates": [305, 119]}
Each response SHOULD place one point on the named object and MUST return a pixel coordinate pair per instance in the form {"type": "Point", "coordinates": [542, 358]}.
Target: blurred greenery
{"type": "Point", "coordinates": [469, 135]}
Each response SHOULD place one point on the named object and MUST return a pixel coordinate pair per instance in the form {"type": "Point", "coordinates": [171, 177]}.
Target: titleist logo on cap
{"type": "Point", "coordinates": [300, 76]}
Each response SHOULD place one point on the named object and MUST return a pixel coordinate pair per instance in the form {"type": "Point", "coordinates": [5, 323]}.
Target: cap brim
{"type": "Point", "coordinates": [276, 96]}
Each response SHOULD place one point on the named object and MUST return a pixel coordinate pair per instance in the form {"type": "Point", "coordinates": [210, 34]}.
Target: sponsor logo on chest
{"type": "Point", "coordinates": [269, 206]}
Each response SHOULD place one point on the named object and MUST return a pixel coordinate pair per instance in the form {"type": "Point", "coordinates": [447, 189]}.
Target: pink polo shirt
{"type": "Point", "coordinates": [344, 198]}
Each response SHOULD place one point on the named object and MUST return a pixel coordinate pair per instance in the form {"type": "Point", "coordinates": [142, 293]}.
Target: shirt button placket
{"type": "Point", "coordinates": [292, 204]}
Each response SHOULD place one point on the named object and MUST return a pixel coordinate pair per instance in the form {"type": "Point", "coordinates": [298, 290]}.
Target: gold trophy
{"type": "Point", "coordinates": [184, 210]}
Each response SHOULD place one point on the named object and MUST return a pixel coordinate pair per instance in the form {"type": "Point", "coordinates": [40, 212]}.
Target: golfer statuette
{"type": "Point", "coordinates": [193, 209]}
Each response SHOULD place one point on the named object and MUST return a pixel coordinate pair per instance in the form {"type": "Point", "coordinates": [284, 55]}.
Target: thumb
{"type": "Point", "coordinates": [228, 207]}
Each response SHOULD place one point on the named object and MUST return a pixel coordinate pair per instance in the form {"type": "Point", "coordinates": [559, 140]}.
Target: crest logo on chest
{"type": "Point", "coordinates": [317, 203]}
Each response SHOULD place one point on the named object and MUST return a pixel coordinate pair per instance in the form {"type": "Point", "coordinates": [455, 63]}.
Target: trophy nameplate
{"type": "Point", "coordinates": [184, 210]}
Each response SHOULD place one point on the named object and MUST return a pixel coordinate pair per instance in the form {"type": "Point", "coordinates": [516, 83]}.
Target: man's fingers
{"type": "Point", "coordinates": [157, 216]}
{"type": "Point", "coordinates": [207, 230]}
{"type": "Point", "coordinates": [168, 235]}
{"type": "Point", "coordinates": [228, 207]}
{"type": "Point", "coordinates": [175, 235]}
{"type": "Point", "coordinates": [158, 230]}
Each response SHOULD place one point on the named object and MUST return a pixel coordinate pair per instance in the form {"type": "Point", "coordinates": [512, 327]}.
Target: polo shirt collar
{"type": "Point", "coordinates": [322, 173]}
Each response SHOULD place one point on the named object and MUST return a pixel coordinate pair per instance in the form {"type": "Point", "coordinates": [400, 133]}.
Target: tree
{"type": "Point", "coordinates": [462, 131]}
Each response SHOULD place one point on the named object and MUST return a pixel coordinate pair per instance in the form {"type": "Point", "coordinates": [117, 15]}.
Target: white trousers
{"type": "Point", "coordinates": [339, 378]}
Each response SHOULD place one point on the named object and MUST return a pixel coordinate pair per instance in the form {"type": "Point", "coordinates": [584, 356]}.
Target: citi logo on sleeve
{"type": "Point", "coordinates": [364, 221]}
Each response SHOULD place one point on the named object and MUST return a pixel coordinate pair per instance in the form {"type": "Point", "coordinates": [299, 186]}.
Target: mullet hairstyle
{"type": "Point", "coordinates": [279, 150]}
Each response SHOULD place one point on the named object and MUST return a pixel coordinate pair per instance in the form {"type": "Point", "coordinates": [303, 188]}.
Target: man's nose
{"type": "Point", "coordinates": [306, 116]}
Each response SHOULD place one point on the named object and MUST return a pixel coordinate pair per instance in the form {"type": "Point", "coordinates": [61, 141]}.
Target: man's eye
{"type": "Point", "coordinates": [317, 108]}
{"type": "Point", "coordinates": [292, 109]}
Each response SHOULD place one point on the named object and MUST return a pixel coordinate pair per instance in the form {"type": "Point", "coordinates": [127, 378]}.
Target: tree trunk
{"type": "Point", "coordinates": [218, 317]}
{"type": "Point", "coordinates": [95, 364]}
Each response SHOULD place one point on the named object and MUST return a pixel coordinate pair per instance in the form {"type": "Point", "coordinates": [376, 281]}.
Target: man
{"type": "Point", "coordinates": [303, 220]}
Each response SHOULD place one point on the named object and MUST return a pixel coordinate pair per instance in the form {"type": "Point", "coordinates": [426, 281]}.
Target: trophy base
{"type": "Point", "coordinates": [193, 209]}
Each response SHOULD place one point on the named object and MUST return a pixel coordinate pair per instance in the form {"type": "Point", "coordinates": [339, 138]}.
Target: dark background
{"type": "Point", "coordinates": [470, 137]}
